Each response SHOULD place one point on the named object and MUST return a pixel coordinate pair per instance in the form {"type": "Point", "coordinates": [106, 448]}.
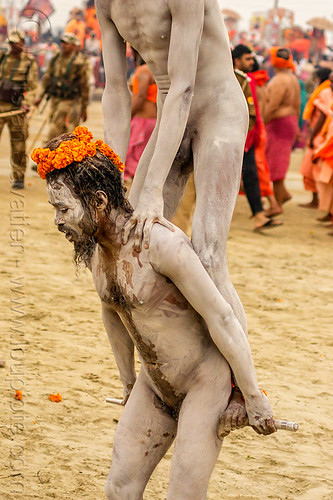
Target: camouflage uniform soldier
{"type": "Point", "coordinates": [18, 85]}
{"type": "Point", "coordinates": [66, 85]}
{"type": "Point", "coordinates": [74, 116]}
{"type": "Point", "coordinates": [244, 80]}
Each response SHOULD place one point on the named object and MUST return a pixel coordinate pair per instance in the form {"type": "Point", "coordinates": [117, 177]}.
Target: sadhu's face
{"type": "Point", "coordinates": [71, 218]}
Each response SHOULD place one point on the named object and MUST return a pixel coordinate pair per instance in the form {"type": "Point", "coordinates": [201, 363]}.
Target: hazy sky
{"type": "Point", "coordinates": [304, 9]}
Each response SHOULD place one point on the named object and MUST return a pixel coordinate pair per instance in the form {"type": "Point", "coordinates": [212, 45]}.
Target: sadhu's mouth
{"type": "Point", "coordinates": [69, 235]}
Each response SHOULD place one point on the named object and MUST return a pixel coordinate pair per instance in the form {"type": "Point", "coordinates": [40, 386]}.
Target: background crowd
{"type": "Point", "coordinates": [284, 70]}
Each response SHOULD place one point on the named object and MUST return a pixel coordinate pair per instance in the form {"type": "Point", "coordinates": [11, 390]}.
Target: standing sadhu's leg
{"type": "Point", "coordinates": [217, 171]}
{"type": "Point", "coordinates": [144, 434]}
{"type": "Point", "coordinates": [18, 128]}
{"type": "Point", "coordinates": [197, 445]}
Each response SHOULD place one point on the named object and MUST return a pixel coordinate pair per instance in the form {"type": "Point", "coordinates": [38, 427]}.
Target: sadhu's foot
{"type": "Point", "coordinates": [234, 417]}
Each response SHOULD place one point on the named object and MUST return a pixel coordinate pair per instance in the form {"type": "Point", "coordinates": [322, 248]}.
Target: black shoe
{"type": "Point", "coordinates": [18, 185]}
{"type": "Point", "coordinates": [34, 167]}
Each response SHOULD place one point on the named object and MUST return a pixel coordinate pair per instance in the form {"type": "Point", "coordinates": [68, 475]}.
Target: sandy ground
{"type": "Point", "coordinates": [54, 342]}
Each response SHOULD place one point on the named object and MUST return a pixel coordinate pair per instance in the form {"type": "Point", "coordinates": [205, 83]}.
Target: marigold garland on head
{"type": "Point", "coordinates": [74, 150]}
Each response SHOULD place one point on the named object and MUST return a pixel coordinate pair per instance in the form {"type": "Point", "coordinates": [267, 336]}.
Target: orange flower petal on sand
{"type": "Point", "coordinates": [18, 395]}
{"type": "Point", "coordinates": [55, 398]}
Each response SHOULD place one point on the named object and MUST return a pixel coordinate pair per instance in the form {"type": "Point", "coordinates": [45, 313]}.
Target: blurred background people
{"type": "Point", "coordinates": [243, 61]}
{"type": "Point", "coordinates": [143, 115]}
{"type": "Point", "coordinates": [315, 113]}
{"type": "Point", "coordinates": [282, 110]}
{"type": "Point", "coordinates": [66, 85]}
{"type": "Point", "coordinates": [18, 85]}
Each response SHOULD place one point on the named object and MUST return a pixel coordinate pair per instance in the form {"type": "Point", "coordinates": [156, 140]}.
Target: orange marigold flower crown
{"type": "Point", "coordinates": [73, 150]}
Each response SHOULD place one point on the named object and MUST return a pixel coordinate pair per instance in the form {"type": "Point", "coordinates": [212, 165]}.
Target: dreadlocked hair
{"type": "Point", "coordinates": [92, 174]}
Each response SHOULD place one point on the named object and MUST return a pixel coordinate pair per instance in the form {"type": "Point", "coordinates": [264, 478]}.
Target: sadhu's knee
{"type": "Point", "coordinates": [118, 487]}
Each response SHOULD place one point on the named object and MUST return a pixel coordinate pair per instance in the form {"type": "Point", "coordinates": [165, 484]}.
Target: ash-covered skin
{"type": "Point", "coordinates": [163, 302]}
{"type": "Point", "coordinates": [155, 312]}
{"type": "Point", "coordinates": [79, 228]}
{"type": "Point", "coordinates": [71, 219]}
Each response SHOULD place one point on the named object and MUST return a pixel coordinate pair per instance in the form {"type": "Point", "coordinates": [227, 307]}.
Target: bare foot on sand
{"type": "Point", "coordinates": [325, 218]}
{"type": "Point", "coordinates": [269, 224]}
{"type": "Point", "coordinates": [311, 204]}
{"type": "Point", "coordinates": [272, 212]}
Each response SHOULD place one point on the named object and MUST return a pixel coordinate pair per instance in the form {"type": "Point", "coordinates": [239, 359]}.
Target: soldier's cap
{"type": "Point", "coordinates": [70, 38]}
{"type": "Point", "coordinates": [15, 36]}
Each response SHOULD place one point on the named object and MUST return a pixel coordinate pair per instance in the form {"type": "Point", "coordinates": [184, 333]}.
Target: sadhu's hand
{"type": "Point", "coordinates": [260, 414]}
{"type": "Point", "coordinates": [148, 211]}
{"type": "Point", "coordinates": [234, 416]}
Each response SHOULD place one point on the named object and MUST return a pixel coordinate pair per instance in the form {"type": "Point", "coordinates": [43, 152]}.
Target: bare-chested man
{"type": "Point", "coordinates": [163, 302]}
{"type": "Point", "coordinates": [202, 120]}
{"type": "Point", "coordinates": [282, 110]}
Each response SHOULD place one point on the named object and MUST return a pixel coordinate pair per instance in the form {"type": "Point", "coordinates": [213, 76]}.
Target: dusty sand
{"type": "Point", "coordinates": [63, 450]}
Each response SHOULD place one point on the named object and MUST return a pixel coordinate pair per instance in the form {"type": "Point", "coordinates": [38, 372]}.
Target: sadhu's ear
{"type": "Point", "coordinates": [101, 201]}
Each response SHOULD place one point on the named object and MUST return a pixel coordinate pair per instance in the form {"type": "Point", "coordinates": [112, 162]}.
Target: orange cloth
{"type": "Point", "coordinates": [279, 62]}
{"type": "Point", "coordinates": [325, 173]}
{"type": "Point", "coordinates": [260, 77]}
{"type": "Point", "coordinates": [301, 46]}
{"type": "Point", "coordinates": [78, 28]}
{"type": "Point", "coordinates": [310, 107]}
{"type": "Point", "coordinates": [152, 89]}
{"type": "Point", "coordinates": [325, 152]}
{"type": "Point", "coordinates": [310, 170]}
{"type": "Point", "coordinates": [324, 176]}
{"type": "Point", "coordinates": [262, 166]}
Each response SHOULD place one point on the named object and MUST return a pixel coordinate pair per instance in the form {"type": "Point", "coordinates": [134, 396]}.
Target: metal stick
{"type": "Point", "coordinates": [284, 425]}
{"type": "Point", "coordinates": [115, 401]}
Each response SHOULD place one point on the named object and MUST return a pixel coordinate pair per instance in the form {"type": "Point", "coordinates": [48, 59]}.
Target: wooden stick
{"type": "Point", "coordinates": [283, 425]}
{"type": "Point", "coordinates": [6, 114]}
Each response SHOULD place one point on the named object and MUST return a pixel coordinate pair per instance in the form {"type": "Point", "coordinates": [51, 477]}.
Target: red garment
{"type": "Point", "coordinates": [260, 77]}
{"type": "Point", "coordinates": [281, 136]}
{"type": "Point", "coordinates": [253, 136]}
{"type": "Point", "coordinates": [264, 177]}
